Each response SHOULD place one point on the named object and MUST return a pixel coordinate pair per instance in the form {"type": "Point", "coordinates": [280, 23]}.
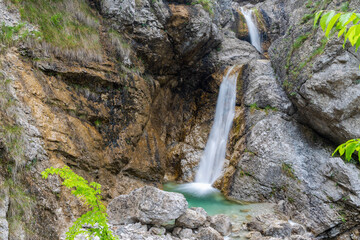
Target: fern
{"type": "Point", "coordinates": [348, 148]}
{"type": "Point", "coordinates": [90, 194]}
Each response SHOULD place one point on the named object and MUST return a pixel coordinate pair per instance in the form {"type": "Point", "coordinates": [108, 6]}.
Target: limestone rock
{"type": "Point", "coordinates": [324, 89]}
{"type": "Point", "coordinates": [278, 229]}
{"type": "Point", "coordinates": [147, 205]}
{"type": "Point", "coordinates": [192, 218]}
{"type": "Point", "coordinates": [4, 206]}
{"type": "Point", "coordinates": [138, 231]}
{"type": "Point", "coordinates": [186, 233]}
{"type": "Point", "coordinates": [286, 160]}
{"type": "Point", "coordinates": [221, 223]}
{"type": "Point", "coordinates": [263, 89]}
{"type": "Point", "coordinates": [208, 233]}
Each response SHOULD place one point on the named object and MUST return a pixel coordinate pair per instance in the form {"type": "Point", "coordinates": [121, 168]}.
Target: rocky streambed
{"type": "Point", "coordinates": [152, 214]}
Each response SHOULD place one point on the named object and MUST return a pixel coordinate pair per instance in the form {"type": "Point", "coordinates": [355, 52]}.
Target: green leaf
{"type": "Point", "coordinates": [345, 19]}
{"type": "Point", "coordinates": [342, 150]}
{"type": "Point", "coordinates": [90, 194]}
{"type": "Point", "coordinates": [350, 150]}
{"type": "Point", "coordinates": [342, 31]}
{"type": "Point", "coordinates": [332, 23]}
{"type": "Point", "coordinates": [325, 19]}
{"type": "Point", "coordinates": [357, 46]}
{"type": "Point", "coordinates": [317, 16]}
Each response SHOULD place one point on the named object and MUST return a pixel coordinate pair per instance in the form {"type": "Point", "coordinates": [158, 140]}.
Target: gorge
{"type": "Point", "coordinates": [124, 93]}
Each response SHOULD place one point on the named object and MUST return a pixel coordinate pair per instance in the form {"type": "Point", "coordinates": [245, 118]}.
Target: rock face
{"type": "Point", "coordinates": [147, 205]}
{"type": "Point", "coordinates": [321, 76]}
{"type": "Point", "coordinates": [140, 113]}
{"type": "Point", "coordinates": [286, 160]}
{"type": "Point", "coordinates": [4, 206]}
{"type": "Point", "coordinates": [166, 34]}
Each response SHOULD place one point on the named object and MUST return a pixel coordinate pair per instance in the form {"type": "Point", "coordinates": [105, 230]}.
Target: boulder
{"type": "Point", "coordinates": [147, 205]}
{"type": "Point", "coordinates": [138, 231]}
{"type": "Point", "coordinates": [208, 233]}
{"type": "Point", "coordinates": [279, 229]}
{"type": "Point", "coordinates": [186, 233]}
{"type": "Point", "coordinates": [192, 218]}
{"type": "Point", "coordinates": [221, 223]}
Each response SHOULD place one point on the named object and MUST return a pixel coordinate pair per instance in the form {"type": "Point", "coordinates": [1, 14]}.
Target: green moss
{"type": "Point", "coordinates": [345, 7]}
{"type": "Point", "coordinates": [307, 17]}
{"type": "Point", "coordinates": [254, 107]}
{"type": "Point", "coordinates": [206, 4]}
{"type": "Point", "coordinates": [300, 40]}
{"type": "Point", "coordinates": [288, 170]}
{"type": "Point", "coordinates": [21, 207]}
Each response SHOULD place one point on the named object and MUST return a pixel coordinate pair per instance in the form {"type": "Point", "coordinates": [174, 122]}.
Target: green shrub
{"type": "Point", "coordinates": [348, 149]}
{"type": "Point", "coordinates": [90, 194]}
{"type": "Point", "coordinates": [347, 24]}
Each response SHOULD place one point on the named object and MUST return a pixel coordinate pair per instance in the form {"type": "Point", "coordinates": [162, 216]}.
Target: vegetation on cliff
{"type": "Point", "coordinates": [90, 193]}
{"type": "Point", "coordinates": [347, 24]}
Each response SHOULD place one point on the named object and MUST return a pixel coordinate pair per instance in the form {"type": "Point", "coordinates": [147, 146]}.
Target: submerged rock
{"type": "Point", "coordinates": [147, 205]}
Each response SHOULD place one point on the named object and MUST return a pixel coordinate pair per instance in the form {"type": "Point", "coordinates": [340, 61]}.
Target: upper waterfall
{"type": "Point", "coordinates": [253, 30]}
{"type": "Point", "coordinates": [212, 160]}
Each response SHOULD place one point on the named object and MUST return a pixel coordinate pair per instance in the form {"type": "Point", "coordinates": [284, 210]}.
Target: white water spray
{"type": "Point", "coordinates": [212, 160]}
{"type": "Point", "coordinates": [253, 30]}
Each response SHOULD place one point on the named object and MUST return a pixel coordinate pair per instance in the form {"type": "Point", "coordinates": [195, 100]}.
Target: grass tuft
{"type": "Point", "coordinates": [67, 28]}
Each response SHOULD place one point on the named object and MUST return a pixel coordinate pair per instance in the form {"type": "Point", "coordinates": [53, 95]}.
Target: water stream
{"type": "Point", "coordinates": [212, 160]}
{"type": "Point", "coordinates": [200, 193]}
{"type": "Point", "coordinates": [253, 30]}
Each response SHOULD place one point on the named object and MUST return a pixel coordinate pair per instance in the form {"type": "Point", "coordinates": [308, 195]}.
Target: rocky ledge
{"type": "Point", "coordinates": [152, 214]}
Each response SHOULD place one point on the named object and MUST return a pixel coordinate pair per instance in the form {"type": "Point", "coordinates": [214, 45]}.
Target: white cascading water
{"type": "Point", "coordinates": [212, 160]}
{"type": "Point", "coordinates": [253, 30]}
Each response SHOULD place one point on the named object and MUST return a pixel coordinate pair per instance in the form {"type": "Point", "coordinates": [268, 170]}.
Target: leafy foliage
{"type": "Point", "coordinates": [348, 24]}
{"type": "Point", "coordinates": [90, 194]}
{"type": "Point", "coordinates": [348, 148]}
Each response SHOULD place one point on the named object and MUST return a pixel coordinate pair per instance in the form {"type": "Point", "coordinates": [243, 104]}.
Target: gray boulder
{"type": "Point", "coordinates": [138, 231]}
{"type": "Point", "coordinates": [208, 233]}
{"type": "Point", "coordinates": [192, 218]}
{"type": "Point", "coordinates": [147, 205]}
{"type": "Point", "coordinates": [186, 233]}
{"type": "Point", "coordinates": [221, 223]}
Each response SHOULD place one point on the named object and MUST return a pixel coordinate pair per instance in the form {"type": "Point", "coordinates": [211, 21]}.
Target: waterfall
{"type": "Point", "coordinates": [212, 160]}
{"type": "Point", "coordinates": [253, 30]}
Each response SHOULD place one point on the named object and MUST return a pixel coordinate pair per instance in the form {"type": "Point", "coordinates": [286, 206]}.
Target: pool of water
{"type": "Point", "coordinates": [215, 203]}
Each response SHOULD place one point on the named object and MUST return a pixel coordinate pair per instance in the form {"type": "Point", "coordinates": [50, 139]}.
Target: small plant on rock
{"type": "Point", "coordinates": [346, 23]}
{"type": "Point", "coordinates": [348, 149]}
{"type": "Point", "coordinates": [96, 218]}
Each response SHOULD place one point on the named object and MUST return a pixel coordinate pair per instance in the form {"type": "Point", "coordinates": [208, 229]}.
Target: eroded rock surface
{"type": "Point", "coordinates": [147, 205]}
